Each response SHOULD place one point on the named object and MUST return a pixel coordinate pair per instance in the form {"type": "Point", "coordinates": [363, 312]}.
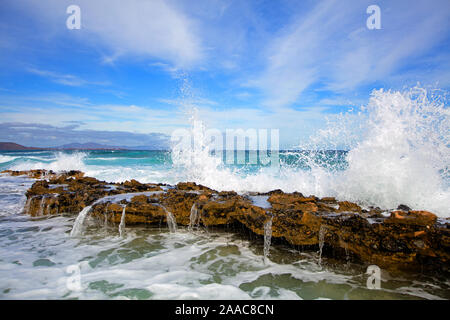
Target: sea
{"type": "Point", "coordinates": [398, 155]}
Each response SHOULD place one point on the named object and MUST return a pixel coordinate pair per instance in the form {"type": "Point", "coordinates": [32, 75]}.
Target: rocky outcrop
{"type": "Point", "coordinates": [396, 239]}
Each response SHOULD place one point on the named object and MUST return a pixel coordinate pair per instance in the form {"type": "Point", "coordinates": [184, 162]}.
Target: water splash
{"type": "Point", "coordinates": [194, 218]}
{"type": "Point", "coordinates": [322, 232]}
{"type": "Point", "coordinates": [122, 222]}
{"type": "Point", "coordinates": [267, 237]}
{"type": "Point", "coordinates": [78, 225]}
{"type": "Point", "coordinates": [398, 154]}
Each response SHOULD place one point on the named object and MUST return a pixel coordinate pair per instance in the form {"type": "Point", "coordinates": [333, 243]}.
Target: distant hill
{"type": "Point", "coordinates": [97, 146]}
{"type": "Point", "coordinates": [88, 146]}
{"type": "Point", "coordinates": [10, 146]}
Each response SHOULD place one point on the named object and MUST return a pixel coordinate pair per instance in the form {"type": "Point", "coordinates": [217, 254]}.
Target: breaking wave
{"type": "Point", "coordinates": [398, 154]}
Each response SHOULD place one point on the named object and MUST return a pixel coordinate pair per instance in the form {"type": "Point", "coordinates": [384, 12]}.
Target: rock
{"type": "Point", "coordinates": [423, 218]}
{"type": "Point", "coordinates": [403, 207]}
{"type": "Point", "coordinates": [346, 206]}
{"type": "Point", "coordinates": [405, 240]}
{"type": "Point", "coordinates": [191, 186]}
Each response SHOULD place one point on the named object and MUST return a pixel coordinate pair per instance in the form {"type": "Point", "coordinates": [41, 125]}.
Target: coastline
{"type": "Point", "coordinates": [396, 240]}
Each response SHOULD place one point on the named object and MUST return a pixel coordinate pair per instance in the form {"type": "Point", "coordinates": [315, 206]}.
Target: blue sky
{"type": "Point", "coordinates": [135, 67]}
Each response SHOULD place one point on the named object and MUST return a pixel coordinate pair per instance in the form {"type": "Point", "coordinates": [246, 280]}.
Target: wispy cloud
{"type": "Point", "coordinates": [156, 29]}
{"type": "Point", "coordinates": [329, 47]}
{"type": "Point", "coordinates": [65, 79]}
{"type": "Point", "coordinates": [284, 64]}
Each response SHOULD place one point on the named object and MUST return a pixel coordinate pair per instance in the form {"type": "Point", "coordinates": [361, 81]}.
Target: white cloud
{"type": "Point", "coordinates": [330, 47]}
{"type": "Point", "coordinates": [154, 29]}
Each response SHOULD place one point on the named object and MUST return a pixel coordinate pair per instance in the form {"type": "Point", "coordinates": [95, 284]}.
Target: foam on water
{"type": "Point", "coordinates": [148, 264]}
{"type": "Point", "coordinates": [38, 256]}
{"type": "Point", "coordinates": [58, 161]}
{"type": "Point", "coordinates": [12, 194]}
{"type": "Point", "coordinates": [6, 158]}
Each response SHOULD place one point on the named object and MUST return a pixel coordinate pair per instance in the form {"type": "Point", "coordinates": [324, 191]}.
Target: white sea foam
{"type": "Point", "coordinates": [35, 256]}
{"type": "Point", "coordinates": [61, 162]}
{"type": "Point", "coordinates": [6, 158]}
{"type": "Point", "coordinates": [12, 194]}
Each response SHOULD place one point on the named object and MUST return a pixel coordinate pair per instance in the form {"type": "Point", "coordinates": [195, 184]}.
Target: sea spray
{"type": "Point", "coordinates": [398, 153]}
{"type": "Point", "coordinates": [78, 225]}
{"type": "Point", "coordinates": [267, 237]}
{"type": "Point", "coordinates": [122, 222]}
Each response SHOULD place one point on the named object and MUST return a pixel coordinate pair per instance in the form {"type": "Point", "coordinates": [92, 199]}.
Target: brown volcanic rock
{"type": "Point", "coordinates": [412, 217]}
{"type": "Point", "coordinates": [70, 192]}
{"type": "Point", "coordinates": [406, 240]}
{"type": "Point", "coordinates": [346, 206]}
{"type": "Point", "coordinates": [192, 186]}
{"type": "Point", "coordinates": [43, 174]}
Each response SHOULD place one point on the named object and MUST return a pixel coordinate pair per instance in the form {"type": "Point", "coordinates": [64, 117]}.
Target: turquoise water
{"type": "Point", "coordinates": [162, 160]}
{"type": "Point", "coordinates": [360, 177]}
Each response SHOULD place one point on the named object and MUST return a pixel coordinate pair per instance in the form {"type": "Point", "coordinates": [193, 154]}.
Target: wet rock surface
{"type": "Point", "coordinates": [401, 239]}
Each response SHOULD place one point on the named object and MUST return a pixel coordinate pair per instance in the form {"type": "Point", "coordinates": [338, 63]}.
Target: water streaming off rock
{"type": "Point", "coordinates": [322, 232]}
{"type": "Point", "coordinates": [106, 218]}
{"type": "Point", "coordinates": [26, 209]}
{"type": "Point", "coordinates": [267, 237]}
{"type": "Point", "coordinates": [171, 222]}
{"type": "Point", "coordinates": [41, 207]}
{"type": "Point", "coordinates": [193, 217]}
{"type": "Point", "coordinates": [78, 225]}
{"type": "Point", "coordinates": [122, 222]}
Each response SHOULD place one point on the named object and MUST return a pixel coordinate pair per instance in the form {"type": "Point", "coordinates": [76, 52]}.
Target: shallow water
{"type": "Point", "coordinates": [40, 260]}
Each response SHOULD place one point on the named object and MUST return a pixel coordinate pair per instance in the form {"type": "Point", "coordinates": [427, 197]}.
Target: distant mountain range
{"type": "Point", "coordinates": [88, 146]}
{"type": "Point", "coordinates": [10, 146]}
{"type": "Point", "coordinates": [14, 146]}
